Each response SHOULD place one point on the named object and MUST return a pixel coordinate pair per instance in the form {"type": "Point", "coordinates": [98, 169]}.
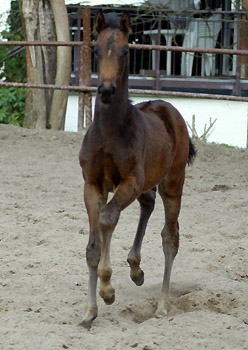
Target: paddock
{"type": "Point", "coordinates": [44, 232]}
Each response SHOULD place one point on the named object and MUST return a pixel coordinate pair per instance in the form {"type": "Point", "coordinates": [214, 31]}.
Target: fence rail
{"type": "Point", "coordinates": [90, 89]}
{"type": "Point", "coordinates": [131, 46]}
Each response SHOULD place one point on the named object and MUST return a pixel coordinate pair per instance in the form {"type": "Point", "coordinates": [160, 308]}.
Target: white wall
{"type": "Point", "coordinates": [230, 127]}
{"type": "Point", "coordinates": [71, 118]}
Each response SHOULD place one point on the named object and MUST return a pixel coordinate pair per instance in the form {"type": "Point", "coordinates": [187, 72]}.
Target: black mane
{"type": "Point", "coordinates": [112, 20]}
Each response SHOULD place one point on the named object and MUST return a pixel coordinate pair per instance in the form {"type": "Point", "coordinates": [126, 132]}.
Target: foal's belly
{"type": "Point", "coordinates": [154, 175]}
{"type": "Point", "coordinates": [149, 170]}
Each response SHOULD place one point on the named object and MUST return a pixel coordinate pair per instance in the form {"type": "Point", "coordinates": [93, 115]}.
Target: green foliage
{"type": "Point", "coordinates": [12, 59]}
{"type": "Point", "coordinates": [12, 69]}
{"type": "Point", "coordinates": [12, 105]}
{"type": "Point", "coordinates": [224, 145]}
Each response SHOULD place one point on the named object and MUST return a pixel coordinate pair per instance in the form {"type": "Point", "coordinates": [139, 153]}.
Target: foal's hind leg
{"type": "Point", "coordinates": [147, 202]}
{"type": "Point", "coordinates": [170, 241]}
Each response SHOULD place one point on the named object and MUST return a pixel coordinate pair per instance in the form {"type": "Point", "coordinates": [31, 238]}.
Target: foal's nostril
{"type": "Point", "coordinates": [106, 90]}
{"type": "Point", "coordinates": [113, 89]}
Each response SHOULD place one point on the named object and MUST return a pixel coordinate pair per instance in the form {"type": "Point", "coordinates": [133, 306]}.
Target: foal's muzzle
{"type": "Point", "coordinates": [106, 92]}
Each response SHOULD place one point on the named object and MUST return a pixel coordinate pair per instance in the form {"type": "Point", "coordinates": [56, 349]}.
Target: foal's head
{"type": "Point", "coordinates": [112, 53]}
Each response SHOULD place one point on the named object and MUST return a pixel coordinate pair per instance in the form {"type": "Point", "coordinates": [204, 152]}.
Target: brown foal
{"type": "Point", "coordinates": [129, 150]}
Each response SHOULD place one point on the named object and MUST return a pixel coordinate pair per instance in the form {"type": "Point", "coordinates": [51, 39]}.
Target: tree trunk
{"type": "Point", "coordinates": [46, 20]}
{"type": "Point", "coordinates": [63, 72]}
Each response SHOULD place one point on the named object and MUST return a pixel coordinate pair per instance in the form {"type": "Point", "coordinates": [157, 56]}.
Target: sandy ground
{"type": "Point", "coordinates": [43, 235]}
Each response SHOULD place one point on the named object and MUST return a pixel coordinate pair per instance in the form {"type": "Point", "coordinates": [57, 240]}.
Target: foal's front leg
{"type": "Point", "coordinates": [94, 201]}
{"type": "Point", "coordinates": [104, 271]}
{"type": "Point", "coordinates": [124, 195]}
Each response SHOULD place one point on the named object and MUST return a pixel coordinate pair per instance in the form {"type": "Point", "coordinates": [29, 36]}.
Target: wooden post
{"type": "Point", "coordinates": [243, 40]}
{"type": "Point", "coordinates": [158, 52]}
{"type": "Point", "coordinates": [247, 128]}
{"type": "Point", "coordinates": [84, 100]}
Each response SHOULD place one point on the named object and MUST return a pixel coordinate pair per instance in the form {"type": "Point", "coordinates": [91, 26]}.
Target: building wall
{"type": "Point", "coordinates": [230, 127]}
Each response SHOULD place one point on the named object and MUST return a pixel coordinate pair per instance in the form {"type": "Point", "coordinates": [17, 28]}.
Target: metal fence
{"type": "Point", "coordinates": [83, 63]}
{"type": "Point", "coordinates": [174, 32]}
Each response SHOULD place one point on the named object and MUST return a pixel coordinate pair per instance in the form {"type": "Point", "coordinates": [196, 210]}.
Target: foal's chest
{"type": "Point", "coordinates": [115, 164]}
{"type": "Point", "coordinates": [106, 160]}
{"type": "Point", "coordinates": [112, 167]}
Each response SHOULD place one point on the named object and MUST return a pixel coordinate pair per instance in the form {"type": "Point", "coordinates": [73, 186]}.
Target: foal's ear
{"type": "Point", "coordinates": [125, 23]}
{"type": "Point", "coordinates": [100, 22]}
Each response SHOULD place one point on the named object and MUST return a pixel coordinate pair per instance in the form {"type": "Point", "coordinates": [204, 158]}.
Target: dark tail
{"type": "Point", "coordinates": [192, 152]}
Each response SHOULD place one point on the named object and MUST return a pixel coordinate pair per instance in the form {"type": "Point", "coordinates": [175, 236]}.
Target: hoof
{"type": "Point", "coordinates": [163, 308]}
{"type": "Point", "coordinates": [160, 313]}
{"type": "Point", "coordinates": [109, 297]}
{"type": "Point", "coordinates": [138, 280]}
{"type": "Point", "coordinates": [89, 316]}
{"type": "Point", "coordinates": [87, 323]}
{"type": "Point", "coordinates": [110, 300]}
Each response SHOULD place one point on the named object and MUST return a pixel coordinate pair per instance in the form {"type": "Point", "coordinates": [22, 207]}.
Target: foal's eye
{"type": "Point", "coordinates": [96, 50]}
{"type": "Point", "coordinates": [125, 51]}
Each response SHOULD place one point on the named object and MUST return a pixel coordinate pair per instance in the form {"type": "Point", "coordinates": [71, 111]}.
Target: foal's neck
{"type": "Point", "coordinates": [110, 117]}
